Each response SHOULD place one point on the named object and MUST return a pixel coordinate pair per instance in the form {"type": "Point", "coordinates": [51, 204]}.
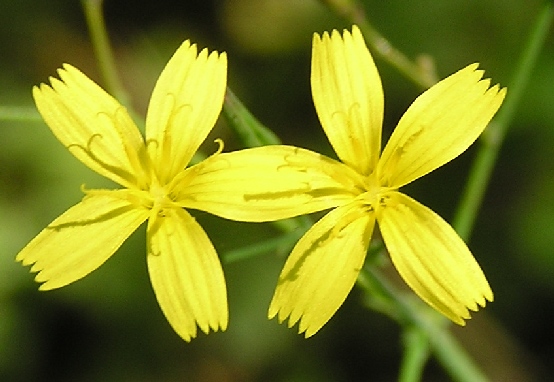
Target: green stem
{"type": "Point", "coordinates": [422, 73]}
{"type": "Point", "coordinates": [19, 114]}
{"type": "Point", "coordinates": [103, 50]}
{"type": "Point", "coordinates": [416, 354]}
{"type": "Point", "coordinates": [491, 140]}
{"type": "Point", "coordinates": [413, 313]}
{"type": "Point", "coordinates": [282, 243]}
{"type": "Point", "coordinates": [248, 128]}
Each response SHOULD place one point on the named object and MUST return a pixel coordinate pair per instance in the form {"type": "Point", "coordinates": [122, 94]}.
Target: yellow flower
{"type": "Point", "coordinates": [440, 124]}
{"type": "Point", "coordinates": [185, 271]}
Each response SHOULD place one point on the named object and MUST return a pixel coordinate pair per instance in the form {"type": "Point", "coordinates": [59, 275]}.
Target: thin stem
{"type": "Point", "coordinates": [421, 73]}
{"type": "Point", "coordinates": [248, 128]}
{"type": "Point", "coordinates": [103, 50]}
{"type": "Point", "coordinates": [491, 141]}
{"type": "Point", "coordinates": [19, 114]}
{"type": "Point", "coordinates": [416, 354]}
{"type": "Point", "coordinates": [412, 313]}
{"type": "Point", "coordinates": [282, 243]}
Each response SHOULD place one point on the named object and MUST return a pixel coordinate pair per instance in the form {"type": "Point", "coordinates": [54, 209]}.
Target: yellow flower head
{"type": "Point", "coordinates": [184, 269]}
{"type": "Point", "coordinates": [440, 124]}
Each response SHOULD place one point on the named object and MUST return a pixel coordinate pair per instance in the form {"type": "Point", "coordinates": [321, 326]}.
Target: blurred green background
{"type": "Point", "coordinates": [108, 326]}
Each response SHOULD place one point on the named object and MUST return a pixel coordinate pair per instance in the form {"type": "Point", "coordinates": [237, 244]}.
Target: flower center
{"type": "Point", "coordinates": [374, 195]}
{"type": "Point", "coordinates": [160, 197]}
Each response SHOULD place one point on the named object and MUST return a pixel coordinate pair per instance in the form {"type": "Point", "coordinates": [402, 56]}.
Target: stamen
{"type": "Point", "coordinates": [352, 120]}
{"type": "Point", "coordinates": [305, 191]}
{"type": "Point", "coordinates": [341, 118]}
{"type": "Point", "coordinates": [182, 178]}
{"type": "Point", "coordinates": [175, 110]}
{"type": "Point", "coordinates": [150, 142]}
{"type": "Point", "coordinates": [138, 158]}
{"type": "Point", "coordinates": [84, 189]}
{"type": "Point", "coordinates": [398, 153]}
{"type": "Point", "coordinates": [348, 177]}
{"type": "Point", "coordinates": [153, 225]}
{"type": "Point", "coordinates": [139, 198]}
{"type": "Point", "coordinates": [221, 144]}
{"type": "Point", "coordinates": [91, 220]}
{"type": "Point", "coordinates": [356, 211]}
{"type": "Point", "coordinates": [127, 178]}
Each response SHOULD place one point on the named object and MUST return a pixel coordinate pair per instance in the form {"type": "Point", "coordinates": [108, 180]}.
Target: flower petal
{"type": "Point", "coordinates": [184, 107]}
{"type": "Point", "coordinates": [81, 239]}
{"type": "Point", "coordinates": [348, 97]}
{"type": "Point", "coordinates": [440, 125]}
{"type": "Point", "coordinates": [186, 274]}
{"type": "Point", "coordinates": [93, 126]}
{"type": "Point", "coordinates": [267, 183]}
{"type": "Point", "coordinates": [431, 257]}
{"type": "Point", "coordinates": [322, 268]}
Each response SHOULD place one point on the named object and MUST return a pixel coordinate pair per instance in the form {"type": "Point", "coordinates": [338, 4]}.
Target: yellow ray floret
{"type": "Point", "coordinates": [432, 259]}
{"type": "Point", "coordinates": [322, 269]}
{"type": "Point", "coordinates": [348, 97]}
